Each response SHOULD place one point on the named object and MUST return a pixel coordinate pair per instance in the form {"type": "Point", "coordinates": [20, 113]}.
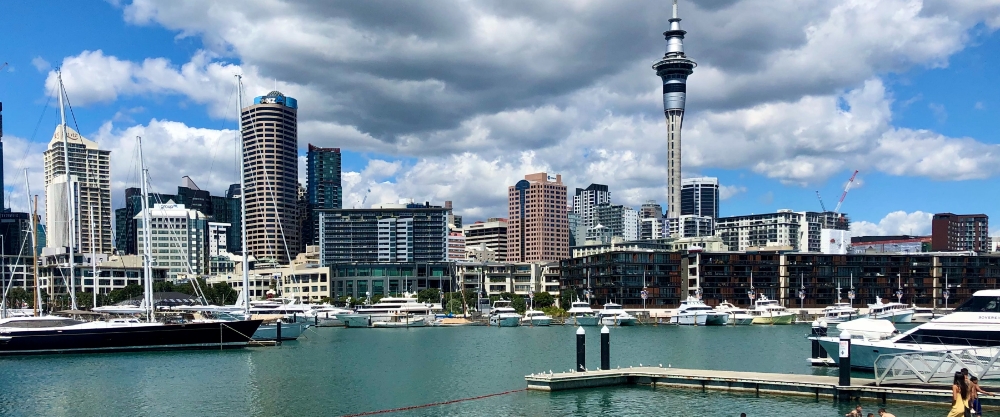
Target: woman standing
{"type": "Point", "coordinates": [959, 396]}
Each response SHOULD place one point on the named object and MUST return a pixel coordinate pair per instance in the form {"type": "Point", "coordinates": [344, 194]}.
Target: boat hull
{"type": "Point", "coordinates": [740, 320]}
{"type": "Point", "coordinates": [615, 321]}
{"type": "Point", "coordinates": [210, 335]}
{"type": "Point", "coordinates": [781, 319]}
{"type": "Point", "coordinates": [512, 321]}
{"type": "Point", "coordinates": [586, 320]}
{"type": "Point", "coordinates": [356, 320]}
{"type": "Point", "coordinates": [417, 322]}
{"type": "Point", "coordinates": [863, 355]}
{"type": "Point", "coordinates": [289, 331]}
{"type": "Point", "coordinates": [536, 322]}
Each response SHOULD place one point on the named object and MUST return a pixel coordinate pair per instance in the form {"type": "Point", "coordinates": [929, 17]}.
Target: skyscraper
{"type": "Point", "coordinates": [323, 187]}
{"type": "Point", "coordinates": [90, 177]}
{"type": "Point", "coordinates": [271, 170]}
{"type": "Point", "coordinates": [537, 227]}
{"type": "Point", "coordinates": [700, 197]}
{"type": "Point", "coordinates": [585, 203]}
{"type": "Point", "coordinates": [674, 69]}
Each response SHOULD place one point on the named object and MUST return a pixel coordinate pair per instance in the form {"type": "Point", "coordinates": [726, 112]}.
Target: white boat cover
{"type": "Point", "coordinates": [871, 329]}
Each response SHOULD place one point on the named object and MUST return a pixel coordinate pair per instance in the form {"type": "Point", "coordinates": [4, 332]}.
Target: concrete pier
{"type": "Point", "coordinates": [756, 382]}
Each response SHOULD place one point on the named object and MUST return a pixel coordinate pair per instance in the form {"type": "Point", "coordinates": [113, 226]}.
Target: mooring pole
{"type": "Point", "coordinates": [605, 348]}
{"type": "Point", "coordinates": [581, 349]}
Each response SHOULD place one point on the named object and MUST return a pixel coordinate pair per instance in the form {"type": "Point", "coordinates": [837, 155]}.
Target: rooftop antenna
{"type": "Point", "coordinates": [675, 9]}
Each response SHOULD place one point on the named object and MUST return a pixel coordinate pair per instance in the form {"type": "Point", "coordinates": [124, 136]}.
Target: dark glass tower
{"type": "Point", "coordinates": [323, 187]}
{"type": "Point", "coordinates": [674, 69]}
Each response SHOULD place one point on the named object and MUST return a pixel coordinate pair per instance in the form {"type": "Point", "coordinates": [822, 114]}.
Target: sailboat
{"type": "Point", "coordinates": [50, 334]}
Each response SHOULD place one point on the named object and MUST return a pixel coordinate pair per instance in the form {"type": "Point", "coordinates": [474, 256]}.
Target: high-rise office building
{"type": "Point", "coordinates": [537, 226]}
{"type": "Point", "coordinates": [215, 208]}
{"type": "Point", "coordinates": [613, 221]}
{"type": "Point", "coordinates": [178, 239]}
{"type": "Point", "coordinates": [960, 232]}
{"type": "Point", "coordinates": [271, 170]}
{"type": "Point", "coordinates": [673, 69]}
{"type": "Point", "coordinates": [651, 210]}
{"type": "Point", "coordinates": [491, 234]}
{"type": "Point", "coordinates": [323, 186]}
{"type": "Point", "coordinates": [700, 197]}
{"type": "Point", "coordinates": [585, 202]}
{"type": "Point", "coordinates": [90, 180]}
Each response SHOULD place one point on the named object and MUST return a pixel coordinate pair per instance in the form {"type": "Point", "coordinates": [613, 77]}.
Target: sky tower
{"type": "Point", "coordinates": [674, 69]}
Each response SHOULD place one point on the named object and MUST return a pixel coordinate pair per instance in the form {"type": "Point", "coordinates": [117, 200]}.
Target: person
{"type": "Point", "coordinates": [976, 390]}
{"type": "Point", "coordinates": [856, 412]}
{"type": "Point", "coordinates": [959, 396]}
{"type": "Point", "coordinates": [871, 414]}
{"type": "Point", "coordinates": [743, 414]}
{"type": "Point", "coordinates": [883, 413]}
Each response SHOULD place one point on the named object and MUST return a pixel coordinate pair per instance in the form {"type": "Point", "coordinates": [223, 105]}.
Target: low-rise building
{"type": "Point", "coordinates": [359, 280]}
{"type": "Point", "coordinates": [495, 278]}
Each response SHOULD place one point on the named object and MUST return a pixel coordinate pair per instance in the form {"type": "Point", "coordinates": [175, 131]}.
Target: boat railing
{"type": "Point", "coordinates": [937, 367]}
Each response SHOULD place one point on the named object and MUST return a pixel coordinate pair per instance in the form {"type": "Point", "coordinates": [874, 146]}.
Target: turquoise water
{"type": "Point", "coordinates": [336, 371]}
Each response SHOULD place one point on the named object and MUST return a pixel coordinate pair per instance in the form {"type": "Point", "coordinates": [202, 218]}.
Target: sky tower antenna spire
{"type": "Point", "coordinates": [675, 9]}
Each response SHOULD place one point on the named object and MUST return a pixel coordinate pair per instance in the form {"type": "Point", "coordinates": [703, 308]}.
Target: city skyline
{"type": "Point", "coordinates": [763, 139]}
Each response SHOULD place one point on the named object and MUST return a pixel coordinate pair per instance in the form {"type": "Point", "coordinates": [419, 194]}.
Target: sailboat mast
{"type": "Point", "coordinates": [146, 232]}
{"type": "Point", "coordinates": [71, 227]}
{"type": "Point", "coordinates": [34, 245]}
{"type": "Point", "coordinates": [243, 195]}
{"type": "Point", "coordinates": [34, 250]}
{"type": "Point", "coordinates": [93, 259]}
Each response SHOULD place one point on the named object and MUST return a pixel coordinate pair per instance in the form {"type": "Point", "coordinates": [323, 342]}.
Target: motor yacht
{"type": "Point", "coordinates": [401, 320]}
{"type": "Point", "coordinates": [892, 311]}
{"type": "Point", "coordinates": [535, 318]}
{"type": "Point", "coordinates": [580, 314]}
{"type": "Point", "coordinates": [386, 309]}
{"type": "Point", "coordinates": [973, 325]}
{"type": "Point", "coordinates": [839, 313]}
{"type": "Point", "coordinates": [767, 311]}
{"type": "Point", "coordinates": [327, 316]}
{"type": "Point", "coordinates": [614, 315]}
{"type": "Point", "coordinates": [736, 316]}
{"type": "Point", "coordinates": [926, 314]}
{"type": "Point", "coordinates": [694, 312]}
{"type": "Point", "coordinates": [503, 315]}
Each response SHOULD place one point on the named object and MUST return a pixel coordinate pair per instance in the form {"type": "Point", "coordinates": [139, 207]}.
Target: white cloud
{"type": "Point", "coordinates": [939, 112]}
{"type": "Point", "coordinates": [896, 223]}
{"type": "Point", "coordinates": [40, 64]}
{"type": "Point", "coordinates": [21, 154]}
{"type": "Point", "coordinates": [729, 191]}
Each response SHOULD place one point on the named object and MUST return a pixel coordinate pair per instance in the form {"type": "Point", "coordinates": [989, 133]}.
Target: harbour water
{"type": "Point", "coordinates": [335, 371]}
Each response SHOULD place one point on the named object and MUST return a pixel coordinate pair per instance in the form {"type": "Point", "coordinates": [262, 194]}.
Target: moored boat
{"type": "Point", "coordinates": [400, 320]}
{"type": "Point", "coordinates": [614, 315]}
{"type": "Point", "coordinates": [694, 312]}
{"type": "Point", "coordinates": [892, 311]}
{"type": "Point", "coordinates": [580, 314]}
{"type": "Point", "coordinates": [767, 311]}
{"type": "Point", "coordinates": [535, 318]}
{"type": "Point", "coordinates": [503, 315]}
{"type": "Point", "coordinates": [736, 316]}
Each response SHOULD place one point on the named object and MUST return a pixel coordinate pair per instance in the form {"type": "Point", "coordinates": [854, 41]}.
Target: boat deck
{"type": "Point", "coordinates": [756, 382]}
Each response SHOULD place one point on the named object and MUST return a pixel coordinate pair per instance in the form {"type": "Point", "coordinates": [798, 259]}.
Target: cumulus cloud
{"type": "Point", "coordinates": [472, 95]}
{"type": "Point", "coordinates": [40, 64]}
{"type": "Point", "coordinates": [729, 191]}
{"type": "Point", "coordinates": [896, 223]}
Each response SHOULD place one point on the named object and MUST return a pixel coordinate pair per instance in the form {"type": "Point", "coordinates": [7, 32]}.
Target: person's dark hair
{"type": "Point", "coordinates": [973, 379]}
{"type": "Point", "coordinates": [881, 410]}
{"type": "Point", "coordinates": [743, 414]}
{"type": "Point", "coordinates": [871, 414]}
{"type": "Point", "coordinates": [965, 371]}
{"type": "Point", "coordinates": [960, 381]}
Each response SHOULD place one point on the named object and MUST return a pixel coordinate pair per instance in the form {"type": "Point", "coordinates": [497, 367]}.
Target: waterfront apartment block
{"type": "Point", "coordinates": [800, 231]}
{"type": "Point", "coordinates": [700, 197]}
{"type": "Point", "coordinates": [687, 226]}
{"type": "Point", "coordinates": [960, 232]}
{"type": "Point", "coordinates": [727, 276]}
{"type": "Point", "coordinates": [271, 171]}
{"type": "Point", "coordinates": [651, 228]}
{"type": "Point", "coordinates": [113, 272]}
{"type": "Point", "coordinates": [323, 187]}
{"type": "Point", "coordinates": [537, 227]}
{"type": "Point", "coordinates": [495, 278]}
{"type": "Point", "coordinates": [359, 280]}
{"type": "Point", "coordinates": [404, 232]}
{"type": "Point", "coordinates": [90, 181]}
{"type": "Point", "coordinates": [492, 233]}
{"type": "Point", "coordinates": [178, 239]}
{"type": "Point", "coordinates": [651, 210]}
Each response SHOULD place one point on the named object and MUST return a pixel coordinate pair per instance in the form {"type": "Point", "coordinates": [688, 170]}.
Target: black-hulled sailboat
{"type": "Point", "coordinates": [51, 334]}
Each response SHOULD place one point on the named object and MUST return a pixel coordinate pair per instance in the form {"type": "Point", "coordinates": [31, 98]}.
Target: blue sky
{"type": "Point", "coordinates": [456, 102]}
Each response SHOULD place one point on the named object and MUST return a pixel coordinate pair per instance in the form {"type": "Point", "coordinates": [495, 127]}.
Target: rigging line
{"type": "Point", "coordinates": [66, 96]}
{"type": "Point", "coordinates": [211, 165]}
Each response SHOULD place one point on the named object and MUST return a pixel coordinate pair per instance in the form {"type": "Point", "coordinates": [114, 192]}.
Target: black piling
{"type": "Point", "coordinates": [845, 359]}
{"type": "Point", "coordinates": [277, 339]}
{"type": "Point", "coordinates": [605, 348]}
{"type": "Point", "coordinates": [581, 350]}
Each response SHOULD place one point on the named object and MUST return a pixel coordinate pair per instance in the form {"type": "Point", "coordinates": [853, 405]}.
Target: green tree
{"type": "Point", "coordinates": [519, 304]}
{"type": "Point", "coordinates": [543, 299]}
{"type": "Point", "coordinates": [221, 293]}
{"type": "Point", "coordinates": [18, 296]}
{"type": "Point", "coordinates": [455, 306]}
{"type": "Point", "coordinates": [553, 311]}
{"type": "Point", "coordinates": [430, 295]}
{"type": "Point", "coordinates": [122, 294]}
{"type": "Point", "coordinates": [163, 286]}
{"type": "Point", "coordinates": [566, 299]}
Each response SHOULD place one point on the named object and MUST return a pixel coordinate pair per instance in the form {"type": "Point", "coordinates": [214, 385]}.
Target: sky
{"type": "Point", "coordinates": [456, 100]}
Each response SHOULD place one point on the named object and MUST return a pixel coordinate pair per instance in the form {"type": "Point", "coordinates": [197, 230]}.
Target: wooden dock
{"type": "Point", "coordinates": [755, 382]}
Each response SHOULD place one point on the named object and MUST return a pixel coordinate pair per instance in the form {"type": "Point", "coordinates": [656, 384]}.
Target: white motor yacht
{"type": "Point", "coordinates": [535, 318]}
{"type": "Point", "coordinates": [614, 315]}
{"type": "Point", "coordinates": [927, 314]}
{"type": "Point", "coordinates": [973, 325]}
{"type": "Point", "coordinates": [401, 320]}
{"type": "Point", "coordinates": [694, 312]}
{"type": "Point", "coordinates": [839, 313]}
{"type": "Point", "coordinates": [503, 315]}
{"type": "Point", "coordinates": [580, 314]}
{"type": "Point", "coordinates": [767, 311]}
{"type": "Point", "coordinates": [327, 316]}
{"type": "Point", "coordinates": [892, 311]}
{"type": "Point", "coordinates": [737, 316]}
{"type": "Point", "coordinates": [387, 309]}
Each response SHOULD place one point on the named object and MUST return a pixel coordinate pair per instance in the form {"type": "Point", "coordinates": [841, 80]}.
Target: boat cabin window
{"type": "Point", "coordinates": [980, 305]}
{"type": "Point", "coordinates": [34, 324]}
{"type": "Point", "coordinates": [952, 337]}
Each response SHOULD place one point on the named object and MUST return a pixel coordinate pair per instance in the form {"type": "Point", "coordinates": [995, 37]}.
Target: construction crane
{"type": "Point", "coordinates": [821, 201]}
{"type": "Point", "coordinates": [365, 198]}
{"type": "Point", "coordinates": [847, 188]}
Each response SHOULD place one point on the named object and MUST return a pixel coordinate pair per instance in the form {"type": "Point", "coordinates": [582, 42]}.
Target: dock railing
{"type": "Point", "coordinates": [937, 367]}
